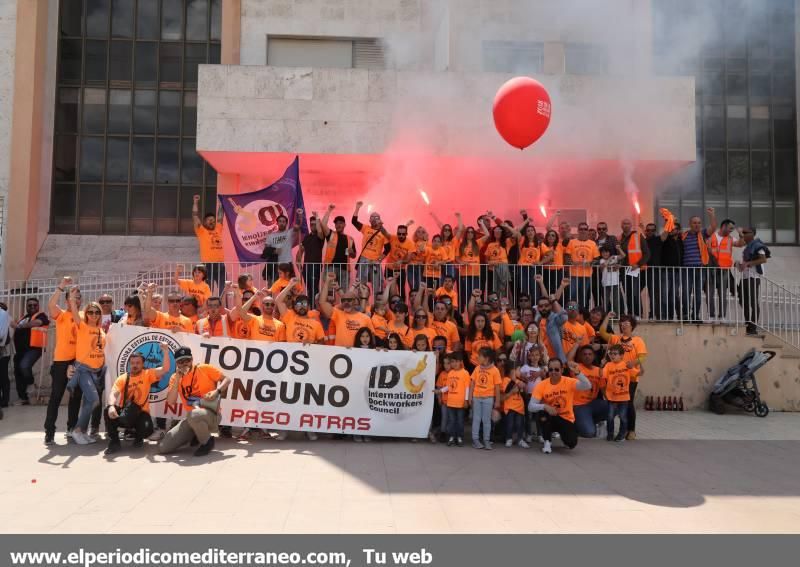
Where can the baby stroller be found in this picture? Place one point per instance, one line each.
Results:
(738, 387)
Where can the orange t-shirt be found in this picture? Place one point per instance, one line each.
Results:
(529, 255)
(399, 252)
(201, 291)
(89, 345)
(405, 334)
(435, 255)
(174, 324)
(559, 396)
(372, 247)
(380, 324)
(66, 337)
(441, 382)
(470, 259)
(551, 353)
(427, 331)
(634, 346)
(448, 330)
(513, 402)
(302, 329)
(260, 328)
(348, 324)
(496, 254)
(457, 388)
(582, 251)
(452, 294)
(558, 256)
(196, 383)
(210, 241)
(281, 284)
(496, 318)
(594, 374)
(484, 381)
(617, 378)
(138, 388)
(472, 347)
(220, 328)
(575, 333)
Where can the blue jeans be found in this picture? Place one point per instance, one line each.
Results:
(90, 381)
(514, 423)
(579, 289)
(370, 271)
(455, 422)
(692, 282)
(670, 291)
(482, 415)
(587, 415)
(617, 409)
(23, 370)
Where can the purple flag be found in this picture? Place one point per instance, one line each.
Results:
(252, 216)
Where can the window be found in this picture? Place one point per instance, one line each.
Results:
(513, 56)
(126, 115)
(585, 59)
(746, 111)
(362, 53)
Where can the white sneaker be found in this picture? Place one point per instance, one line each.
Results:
(556, 435)
(509, 442)
(528, 438)
(157, 435)
(541, 439)
(547, 449)
(282, 435)
(82, 439)
(522, 443)
(312, 436)
(68, 434)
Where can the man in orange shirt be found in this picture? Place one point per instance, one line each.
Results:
(263, 327)
(443, 327)
(400, 248)
(574, 333)
(347, 319)
(375, 245)
(216, 323)
(196, 384)
(590, 408)
(209, 237)
(172, 319)
(580, 253)
(133, 386)
(300, 327)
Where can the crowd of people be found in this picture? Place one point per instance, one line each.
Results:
(520, 322)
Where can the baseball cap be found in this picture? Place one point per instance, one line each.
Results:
(183, 353)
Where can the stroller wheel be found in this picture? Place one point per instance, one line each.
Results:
(716, 405)
(761, 410)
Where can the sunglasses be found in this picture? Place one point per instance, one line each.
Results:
(105, 302)
(602, 228)
(93, 312)
(554, 369)
(571, 307)
(301, 303)
(420, 316)
(402, 234)
(348, 299)
(269, 304)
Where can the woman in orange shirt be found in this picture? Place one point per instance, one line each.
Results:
(497, 246)
(468, 257)
(529, 257)
(417, 257)
(89, 365)
(480, 334)
(436, 257)
(552, 258)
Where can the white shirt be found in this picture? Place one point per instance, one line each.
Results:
(282, 242)
(752, 272)
(610, 271)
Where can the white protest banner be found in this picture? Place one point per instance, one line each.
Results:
(291, 386)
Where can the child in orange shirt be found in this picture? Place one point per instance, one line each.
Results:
(511, 389)
(484, 396)
(457, 390)
(617, 376)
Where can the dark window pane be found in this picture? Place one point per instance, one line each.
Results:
(172, 19)
(210, 199)
(144, 112)
(97, 18)
(169, 61)
(91, 159)
(166, 210)
(121, 63)
(89, 207)
(122, 18)
(115, 209)
(214, 55)
(146, 64)
(191, 163)
(141, 210)
(186, 225)
(71, 16)
(785, 175)
(167, 171)
(761, 178)
(169, 117)
(119, 112)
(785, 66)
(95, 62)
(69, 68)
(738, 175)
(713, 126)
(759, 127)
(713, 84)
(117, 160)
(63, 204)
(786, 222)
(197, 19)
(211, 177)
(760, 85)
(143, 160)
(189, 114)
(783, 88)
(64, 158)
(195, 55)
(147, 19)
(783, 123)
(67, 110)
(94, 111)
(736, 86)
(761, 217)
(737, 126)
(216, 19)
(715, 171)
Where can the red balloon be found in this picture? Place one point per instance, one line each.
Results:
(521, 111)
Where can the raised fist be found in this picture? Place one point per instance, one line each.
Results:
(196, 199)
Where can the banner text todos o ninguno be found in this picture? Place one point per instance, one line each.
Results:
(291, 386)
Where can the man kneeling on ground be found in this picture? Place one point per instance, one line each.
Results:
(199, 385)
(128, 402)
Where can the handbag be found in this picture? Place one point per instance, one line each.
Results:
(130, 410)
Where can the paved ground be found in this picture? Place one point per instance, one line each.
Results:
(688, 472)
